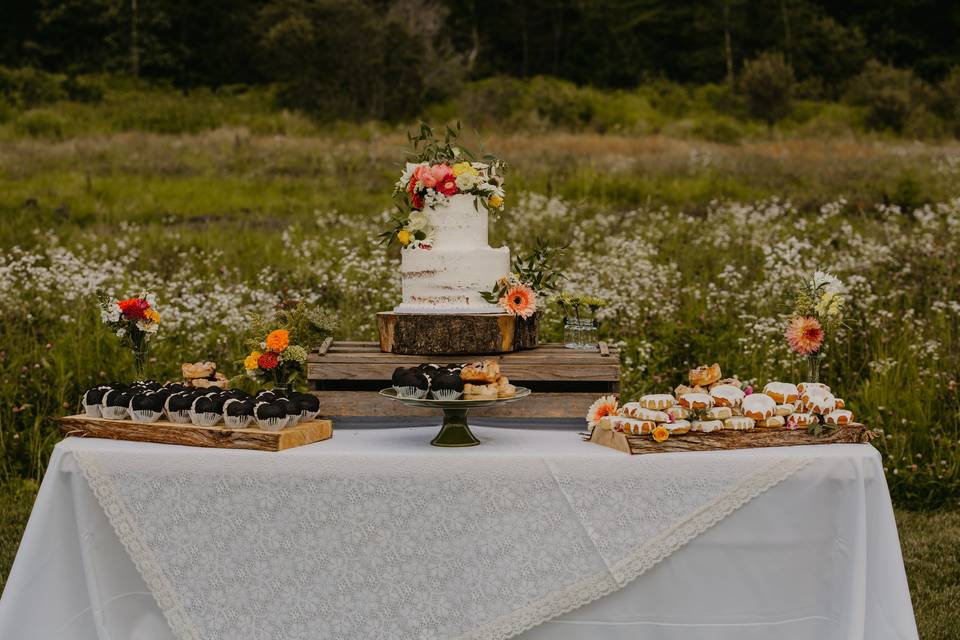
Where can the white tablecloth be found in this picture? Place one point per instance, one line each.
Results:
(814, 556)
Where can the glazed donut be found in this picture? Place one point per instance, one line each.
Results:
(480, 391)
(677, 427)
(696, 401)
(759, 406)
(634, 410)
(678, 413)
(803, 387)
(772, 422)
(706, 426)
(785, 410)
(632, 426)
(782, 392)
(718, 413)
(657, 401)
(805, 419)
(739, 423)
(727, 395)
(839, 416)
(819, 402)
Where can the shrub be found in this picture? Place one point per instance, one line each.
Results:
(721, 129)
(767, 84)
(29, 87)
(888, 94)
(41, 123)
(948, 103)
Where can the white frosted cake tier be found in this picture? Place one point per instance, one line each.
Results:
(449, 277)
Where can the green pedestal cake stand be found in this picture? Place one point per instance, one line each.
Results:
(455, 431)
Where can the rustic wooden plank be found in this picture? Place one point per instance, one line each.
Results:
(604, 349)
(195, 436)
(372, 350)
(532, 357)
(383, 371)
(729, 439)
(325, 345)
(412, 333)
(538, 405)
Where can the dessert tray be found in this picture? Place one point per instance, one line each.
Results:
(219, 436)
(455, 431)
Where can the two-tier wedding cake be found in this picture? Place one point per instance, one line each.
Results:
(447, 275)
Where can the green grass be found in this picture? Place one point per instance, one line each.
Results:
(930, 542)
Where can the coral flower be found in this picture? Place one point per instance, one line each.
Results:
(660, 434)
(520, 300)
(268, 361)
(134, 308)
(805, 335)
(601, 408)
(448, 187)
(278, 340)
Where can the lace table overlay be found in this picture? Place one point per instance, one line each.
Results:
(355, 542)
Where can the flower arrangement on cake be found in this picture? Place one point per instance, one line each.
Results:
(277, 352)
(133, 320)
(436, 172)
(532, 275)
(817, 308)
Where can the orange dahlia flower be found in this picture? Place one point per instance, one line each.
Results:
(805, 335)
(278, 340)
(520, 300)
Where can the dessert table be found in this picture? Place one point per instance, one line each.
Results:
(534, 534)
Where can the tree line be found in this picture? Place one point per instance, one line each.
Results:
(387, 58)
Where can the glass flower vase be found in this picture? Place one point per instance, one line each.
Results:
(813, 367)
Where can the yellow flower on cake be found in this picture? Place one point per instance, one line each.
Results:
(660, 433)
(278, 340)
(495, 201)
(405, 237)
(250, 362)
(464, 167)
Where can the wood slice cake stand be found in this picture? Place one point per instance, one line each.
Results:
(455, 431)
(443, 333)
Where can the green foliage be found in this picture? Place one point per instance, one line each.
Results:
(890, 95)
(767, 84)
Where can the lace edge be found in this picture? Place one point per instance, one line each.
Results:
(137, 548)
(646, 557)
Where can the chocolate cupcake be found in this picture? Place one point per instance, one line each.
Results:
(92, 400)
(177, 406)
(271, 416)
(206, 411)
(115, 404)
(237, 413)
(265, 396)
(412, 383)
(146, 407)
(308, 404)
(447, 385)
(293, 412)
(174, 387)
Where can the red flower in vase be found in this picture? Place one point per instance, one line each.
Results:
(134, 308)
(268, 361)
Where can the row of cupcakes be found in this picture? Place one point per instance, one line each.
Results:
(149, 401)
(442, 382)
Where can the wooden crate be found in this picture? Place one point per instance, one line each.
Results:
(728, 439)
(217, 436)
(347, 376)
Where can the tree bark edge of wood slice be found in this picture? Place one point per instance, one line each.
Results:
(456, 334)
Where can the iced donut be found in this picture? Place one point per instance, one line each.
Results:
(782, 392)
(678, 427)
(657, 401)
(803, 387)
(759, 406)
(839, 416)
(840, 403)
(785, 409)
(739, 423)
(632, 426)
(634, 410)
(696, 401)
(805, 419)
(718, 413)
(773, 422)
(820, 402)
(678, 413)
(727, 395)
(706, 426)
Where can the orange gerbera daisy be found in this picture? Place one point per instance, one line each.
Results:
(601, 408)
(520, 300)
(805, 335)
(278, 340)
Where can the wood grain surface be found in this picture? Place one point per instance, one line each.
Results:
(191, 435)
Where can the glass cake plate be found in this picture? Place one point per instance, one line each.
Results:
(455, 431)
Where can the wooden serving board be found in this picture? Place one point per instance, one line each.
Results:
(347, 377)
(728, 439)
(217, 436)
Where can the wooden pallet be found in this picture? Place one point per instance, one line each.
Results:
(347, 376)
(218, 436)
(728, 439)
